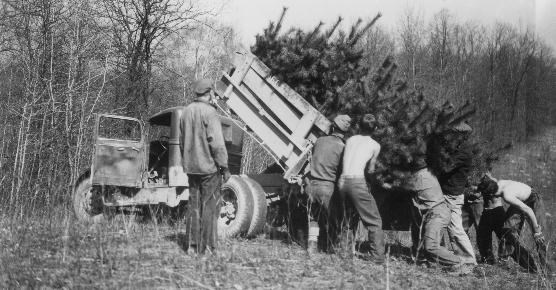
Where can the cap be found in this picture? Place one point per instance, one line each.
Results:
(202, 86)
(462, 127)
(342, 122)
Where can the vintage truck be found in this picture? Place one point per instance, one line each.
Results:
(134, 164)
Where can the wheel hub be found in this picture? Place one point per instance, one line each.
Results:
(228, 211)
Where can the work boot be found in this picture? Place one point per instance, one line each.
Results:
(469, 260)
(312, 247)
(312, 242)
(192, 251)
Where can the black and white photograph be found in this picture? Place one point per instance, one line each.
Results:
(277, 144)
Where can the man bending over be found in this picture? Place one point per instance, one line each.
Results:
(525, 203)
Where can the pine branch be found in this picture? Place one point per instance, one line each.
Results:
(334, 27)
(312, 35)
(365, 29)
(279, 23)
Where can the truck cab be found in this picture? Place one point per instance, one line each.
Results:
(137, 164)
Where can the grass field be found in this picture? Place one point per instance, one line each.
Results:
(126, 252)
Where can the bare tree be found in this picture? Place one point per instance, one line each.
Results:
(139, 27)
(411, 33)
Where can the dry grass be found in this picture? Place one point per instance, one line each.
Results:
(126, 252)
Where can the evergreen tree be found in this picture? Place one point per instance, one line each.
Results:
(327, 68)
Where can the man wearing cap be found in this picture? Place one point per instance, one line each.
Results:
(205, 161)
(325, 166)
(360, 156)
(454, 183)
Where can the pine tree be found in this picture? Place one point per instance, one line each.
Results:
(326, 67)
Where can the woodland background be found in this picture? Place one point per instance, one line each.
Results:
(63, 61)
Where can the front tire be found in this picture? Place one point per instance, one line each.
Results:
(87, 200)
(236, 208)
(258, 220)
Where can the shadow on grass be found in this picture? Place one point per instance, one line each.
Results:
(180, 239)
(395, 250)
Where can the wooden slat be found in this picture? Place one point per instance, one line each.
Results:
(290, 95)
(273, 137)
(287, 114)
(263, 114)
(305, 125)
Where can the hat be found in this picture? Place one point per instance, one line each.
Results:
(342, 122)
(202, 86)
(462, 127)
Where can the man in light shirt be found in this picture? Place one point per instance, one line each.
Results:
(360, 155)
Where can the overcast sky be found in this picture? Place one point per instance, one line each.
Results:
(249, 17)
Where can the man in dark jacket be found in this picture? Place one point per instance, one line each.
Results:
(325, 164)
(454, 184)
(205, 161)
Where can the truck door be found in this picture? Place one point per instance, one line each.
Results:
(119, 151)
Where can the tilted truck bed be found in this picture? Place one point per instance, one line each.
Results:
(287, 126)
(283, 122)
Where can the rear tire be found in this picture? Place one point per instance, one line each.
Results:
(258, 220)
(236, 208)
(87, 200)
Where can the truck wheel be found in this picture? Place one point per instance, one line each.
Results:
(236, 208)
(87, 200)
(258, 220)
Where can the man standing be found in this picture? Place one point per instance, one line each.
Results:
(361, 151)
(205, 161)
(525, 204)
(325, 163)
(454, 184)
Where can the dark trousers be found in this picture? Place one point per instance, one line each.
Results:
(507, 226)
(324, 209)
(426, 234)
(471, 215)
(202, 213)
(357, 191)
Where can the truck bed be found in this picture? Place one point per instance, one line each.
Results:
(282, 121)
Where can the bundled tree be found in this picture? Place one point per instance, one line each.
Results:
(329, 70)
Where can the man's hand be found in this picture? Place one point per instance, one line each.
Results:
(539, 237)
(225, 173)
(296, 179)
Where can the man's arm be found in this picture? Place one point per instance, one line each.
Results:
(372, 162)
(215, 140)
(511, 199)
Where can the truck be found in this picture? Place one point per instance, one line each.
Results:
(135, 164)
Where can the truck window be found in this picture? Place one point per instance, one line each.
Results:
(119, 129)
(157, 132)
(227, 132)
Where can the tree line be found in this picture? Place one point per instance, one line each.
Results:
(63, 61)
